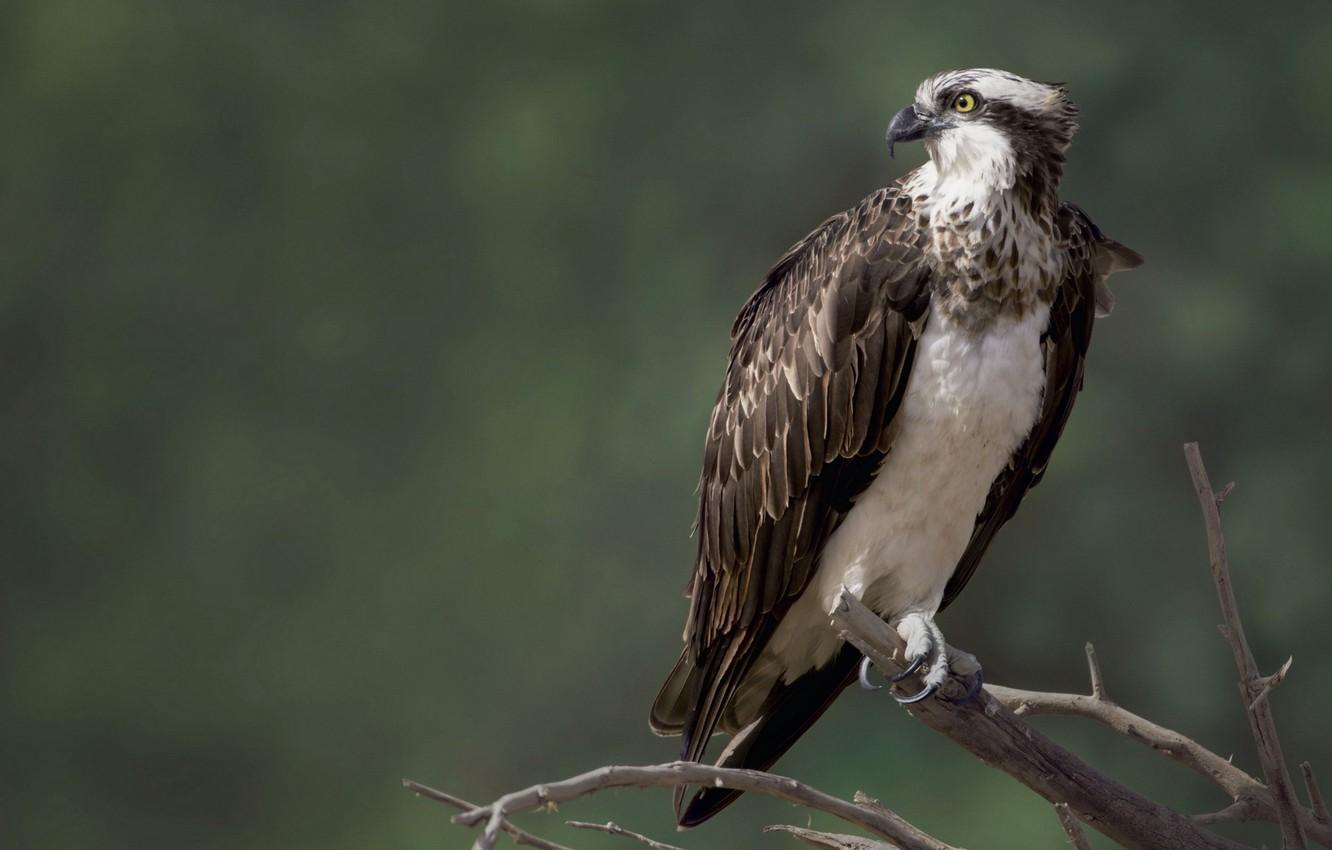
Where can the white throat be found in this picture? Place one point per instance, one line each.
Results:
(973, 159)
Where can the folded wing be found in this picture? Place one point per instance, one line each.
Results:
(817, 369)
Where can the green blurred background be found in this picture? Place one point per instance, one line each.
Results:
(357, 359)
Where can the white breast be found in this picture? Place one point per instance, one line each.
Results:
(971, 400)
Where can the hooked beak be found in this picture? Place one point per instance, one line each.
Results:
(909, 126)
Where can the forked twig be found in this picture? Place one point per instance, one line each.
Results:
(520, 836)
(1253, 686)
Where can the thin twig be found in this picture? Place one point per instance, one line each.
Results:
(612, 828)
(830, 840)
(1069, 821)
(879, 821)
(519, 836)
(1266, 684)
(1259, 711)
(1315, 793)
(1094, 671)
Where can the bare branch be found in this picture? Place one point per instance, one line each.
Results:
(830, 840)
(1256, 800)
(519, 836)
(865, 801)
(879, 821)
(1001, 739)
(1251, 684)
(1069, 822)
(612, 828)
(1234, 781)
(1094, 671)
(1240, 811)
(1315, 793)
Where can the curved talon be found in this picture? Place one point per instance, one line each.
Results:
(862, 676)
(915, 698)
(911, 670)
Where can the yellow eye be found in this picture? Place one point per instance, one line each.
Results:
(964, 102)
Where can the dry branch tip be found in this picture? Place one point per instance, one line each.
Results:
(1072, 828)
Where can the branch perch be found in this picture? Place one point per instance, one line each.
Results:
(1000, 738)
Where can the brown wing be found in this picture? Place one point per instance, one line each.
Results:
(817, 369)
(1082, 295)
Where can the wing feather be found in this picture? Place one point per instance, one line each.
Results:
(814, 377)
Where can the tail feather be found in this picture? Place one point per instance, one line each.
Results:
(671, 706)
(788, 711)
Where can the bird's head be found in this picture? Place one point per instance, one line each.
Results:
(989, 126)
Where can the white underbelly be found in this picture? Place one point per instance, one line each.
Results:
(970, 402)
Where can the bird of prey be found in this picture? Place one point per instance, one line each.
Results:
(894, 387)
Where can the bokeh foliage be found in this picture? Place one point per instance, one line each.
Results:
(357, 356)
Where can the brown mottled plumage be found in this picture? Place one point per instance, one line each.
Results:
(818, 368)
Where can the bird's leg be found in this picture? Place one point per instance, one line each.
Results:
(925, 651)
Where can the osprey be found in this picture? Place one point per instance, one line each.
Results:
(894, 387)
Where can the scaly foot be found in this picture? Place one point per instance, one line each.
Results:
(926, 651)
